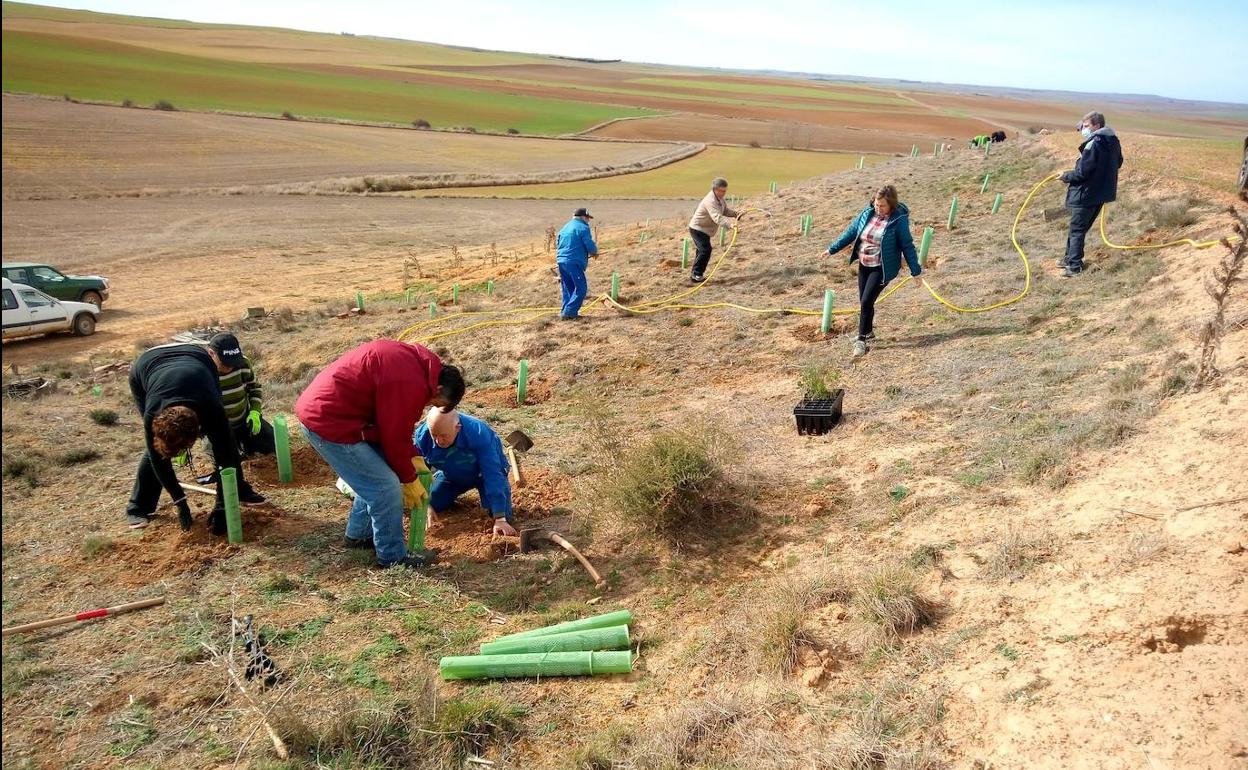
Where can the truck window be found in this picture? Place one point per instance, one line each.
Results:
(34, 298)
(10, 301)
(47, 274)
(18, 275)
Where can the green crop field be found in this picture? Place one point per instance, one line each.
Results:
(102, 70)
(843, 94)
(749, 172)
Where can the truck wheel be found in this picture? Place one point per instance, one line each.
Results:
(84, 325)
(93, 298)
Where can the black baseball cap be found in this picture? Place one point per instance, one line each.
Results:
(583, 212)
(228, 350)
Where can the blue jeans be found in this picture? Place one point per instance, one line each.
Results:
(378, 509)
(575, 286)
(445, 492)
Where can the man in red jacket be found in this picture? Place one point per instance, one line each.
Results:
(359, 414)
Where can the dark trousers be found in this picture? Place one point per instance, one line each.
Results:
(262, 443)
(702, 242)
(870, 284)
(147, 488)
(1081, 219)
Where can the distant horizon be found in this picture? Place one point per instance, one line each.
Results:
(1136, 44)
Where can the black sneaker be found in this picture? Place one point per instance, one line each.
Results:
(208, 478)
(697, 278)
(249, 496)
(418, 560)
(1060, 262)
(870, 336)
(361, 543)
(1071, 272)
(138, 520)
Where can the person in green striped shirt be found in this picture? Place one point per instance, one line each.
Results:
(243, 397)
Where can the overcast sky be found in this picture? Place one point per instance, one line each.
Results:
(1189, 50)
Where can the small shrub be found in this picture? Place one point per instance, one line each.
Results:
(513, 131)
(278, 583)
(1017, 552)
(685, 321)
(1173, 213)
(21, 466)
(78, 456)
(1127, 380)
(421, 123)
(674, 480)
(898, 493)
(818, 381)
(466, 726)
(127, 103)
(133, 730)
(755, 144)
(288, 115)
(164, 106)
(889, 599)
(94, 545)
(892, 391)
(103, 417)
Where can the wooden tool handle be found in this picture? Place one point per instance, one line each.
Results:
(88, 615)
(556, 538)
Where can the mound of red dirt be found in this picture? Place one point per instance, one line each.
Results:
(307, 467)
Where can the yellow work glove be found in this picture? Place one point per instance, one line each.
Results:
(418, 463)
(414, 494)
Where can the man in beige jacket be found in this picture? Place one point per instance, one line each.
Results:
(710, 215)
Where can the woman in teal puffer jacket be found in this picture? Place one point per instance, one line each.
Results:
(881, 237)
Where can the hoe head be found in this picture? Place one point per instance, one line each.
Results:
(529, 538)
(519, 441)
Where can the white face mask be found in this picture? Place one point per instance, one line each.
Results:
(1086, 132)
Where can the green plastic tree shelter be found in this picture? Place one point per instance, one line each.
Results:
(925, 244)
(984, 187)
(233, 517)
(522, 381)
(489, 287)
(359, 301)
(455, 294)
(684, 251)
(281, 438)
(617, 618)
(418, 517)
(594, 639)
(829, 297)
(953, 212)
(615, 287)
(996, 204)
(536, 664)
(433, 310)
(861, 159)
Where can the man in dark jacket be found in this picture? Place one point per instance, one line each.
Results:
(1093, 183)
(359, 414)
(166, 381)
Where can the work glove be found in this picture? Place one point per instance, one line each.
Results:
(253, 421)
(418, 463)
(184, 515)
(182, 460)
(414, 494)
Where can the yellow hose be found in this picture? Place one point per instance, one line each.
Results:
(671, 303)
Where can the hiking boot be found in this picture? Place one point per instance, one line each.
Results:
(138, 520)
(1071, 271)
(860, 348)
(207, 478)
(697, 277)
(249, 496)
(1060, 262)
(360, 543)
(569, 318)
(418, 560)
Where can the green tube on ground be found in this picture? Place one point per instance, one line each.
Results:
(590, 640)
(615, 287)
(233, 518)
(522, 381)
(914, 150)
(417, 519)
(281, 438)
(983, 188)
(935, 149)
(953, 212)
(684, 251)
(617, 618)
(455, 294)
(829, 297)
(536, 664)
(409, 295)
(359, 301)
(722, 235)
(433, 310)
(996, 204)
(925, 244)
(489, 287)
(861, 159)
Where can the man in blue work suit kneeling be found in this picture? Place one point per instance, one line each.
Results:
(466, 454)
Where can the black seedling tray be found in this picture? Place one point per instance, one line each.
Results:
(817, 416)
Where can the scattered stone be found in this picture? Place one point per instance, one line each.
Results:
(1233, 544)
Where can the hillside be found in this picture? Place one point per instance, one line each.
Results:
(1023, 547)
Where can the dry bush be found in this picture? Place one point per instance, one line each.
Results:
(421, 123)
(1017, 551)
(164, 106)
(888, 599)
(1172, 212)
(678, 479)
(886, 732)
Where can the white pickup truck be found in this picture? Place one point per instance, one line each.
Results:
(28, 311)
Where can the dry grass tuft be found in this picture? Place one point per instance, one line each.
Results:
(888, 598)
(1018, 551)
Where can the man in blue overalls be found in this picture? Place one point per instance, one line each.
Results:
(573, 248)
(466, 454)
